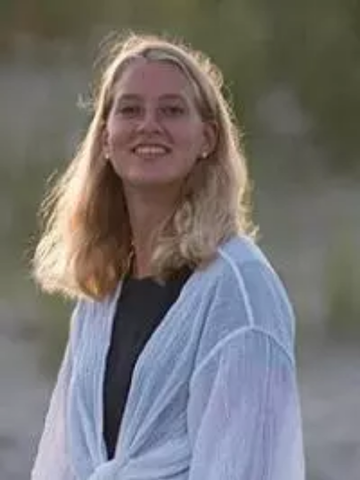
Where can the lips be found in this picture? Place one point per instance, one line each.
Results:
(150, 150)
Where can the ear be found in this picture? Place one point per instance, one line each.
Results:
(211, 132)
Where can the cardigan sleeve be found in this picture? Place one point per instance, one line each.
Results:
(52, 456)
(243, 412)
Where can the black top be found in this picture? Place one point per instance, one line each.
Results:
(141, 306)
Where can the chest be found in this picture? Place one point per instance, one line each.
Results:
(159, 384)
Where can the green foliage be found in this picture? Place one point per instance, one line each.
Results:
(312, 46)
(49, 18)
(317, 49)
(342, 280)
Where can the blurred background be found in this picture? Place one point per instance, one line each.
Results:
(293, 70)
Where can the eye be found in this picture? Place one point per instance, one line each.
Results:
(129, 111)
(172, 110)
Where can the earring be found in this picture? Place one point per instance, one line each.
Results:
(204, 155)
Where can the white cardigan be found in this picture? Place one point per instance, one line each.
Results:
(213, 395)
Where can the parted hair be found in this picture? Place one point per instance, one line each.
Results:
(86, 237)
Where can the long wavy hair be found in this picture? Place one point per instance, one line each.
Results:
(86, 242)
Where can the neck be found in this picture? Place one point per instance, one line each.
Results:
(147, 212)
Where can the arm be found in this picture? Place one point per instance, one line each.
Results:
(52, 456)
(243, 412)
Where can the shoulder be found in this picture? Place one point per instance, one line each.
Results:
(246, 295)
(240, 265)
(244, 265)
(239, 251)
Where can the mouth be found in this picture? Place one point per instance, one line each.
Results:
(150, 150)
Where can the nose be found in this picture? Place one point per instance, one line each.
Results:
(150, 122)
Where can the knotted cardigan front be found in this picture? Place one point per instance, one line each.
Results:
(213, 395)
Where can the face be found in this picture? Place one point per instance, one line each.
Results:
(154, 133)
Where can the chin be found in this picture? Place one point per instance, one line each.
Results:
(154, 183)
(151, 180)
(147, 183)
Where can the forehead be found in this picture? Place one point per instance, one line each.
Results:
(153, 78)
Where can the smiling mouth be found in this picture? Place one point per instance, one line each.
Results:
(150, 150)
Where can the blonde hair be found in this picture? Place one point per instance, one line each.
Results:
(85, 246)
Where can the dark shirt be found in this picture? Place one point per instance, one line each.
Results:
(142, 305)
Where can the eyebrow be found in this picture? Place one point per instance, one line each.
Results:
(135, 97)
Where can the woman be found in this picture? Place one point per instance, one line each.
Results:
(180, 361)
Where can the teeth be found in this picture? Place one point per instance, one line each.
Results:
(150, 150)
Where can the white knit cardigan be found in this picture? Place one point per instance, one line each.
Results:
(213, 395)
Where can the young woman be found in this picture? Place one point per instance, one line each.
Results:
(180, 360)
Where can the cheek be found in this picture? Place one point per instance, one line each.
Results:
(189, 137)
(118, 133)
